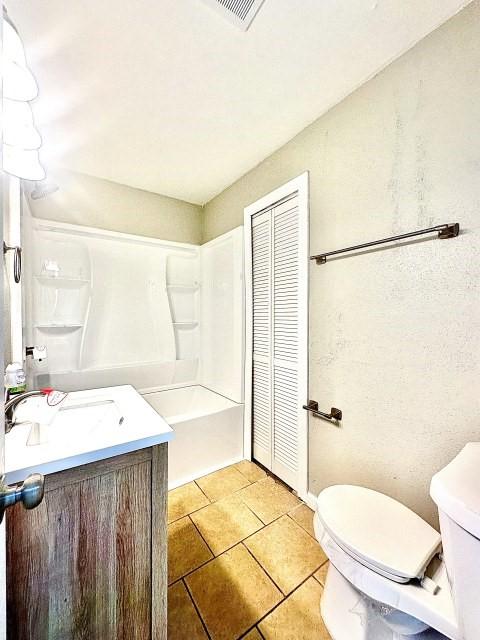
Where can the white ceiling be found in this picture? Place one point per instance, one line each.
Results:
(167, 96)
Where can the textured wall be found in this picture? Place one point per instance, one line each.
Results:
(93, 202)
(394, 334)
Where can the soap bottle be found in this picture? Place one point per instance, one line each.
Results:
(15, 380)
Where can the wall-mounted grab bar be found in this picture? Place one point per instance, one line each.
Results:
(444, 231)
(335, 415)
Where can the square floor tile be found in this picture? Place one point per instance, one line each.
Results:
(269, 499)
(225, 523)
(303, 516)
(222, 483)
(298, 617)
(321, 574)
(186, 549)
(286, 552)
(184, 500)
(183, 620)
(251, 470)
(232, 593)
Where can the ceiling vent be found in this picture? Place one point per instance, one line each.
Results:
(239, 12)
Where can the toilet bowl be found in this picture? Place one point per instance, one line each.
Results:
(359, 603)
(389, 578)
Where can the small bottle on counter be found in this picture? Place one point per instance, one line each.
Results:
(15, 380)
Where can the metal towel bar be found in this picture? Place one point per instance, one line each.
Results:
(444, 231)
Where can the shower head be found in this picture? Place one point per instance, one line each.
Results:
(43, 189)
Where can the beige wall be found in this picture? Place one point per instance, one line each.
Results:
(93, 202)
(394, 334)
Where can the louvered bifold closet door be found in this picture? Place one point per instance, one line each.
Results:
(285, 327)
(262, 338)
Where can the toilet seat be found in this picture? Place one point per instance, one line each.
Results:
(436, 610)
(378, 532)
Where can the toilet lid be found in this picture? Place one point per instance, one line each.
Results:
(378, 531)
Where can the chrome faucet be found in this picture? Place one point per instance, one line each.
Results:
(13, 402)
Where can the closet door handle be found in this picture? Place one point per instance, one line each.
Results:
(29, 493)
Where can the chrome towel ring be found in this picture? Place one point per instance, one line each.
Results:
(17, 260)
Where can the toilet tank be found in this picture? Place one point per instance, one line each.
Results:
(456, 491)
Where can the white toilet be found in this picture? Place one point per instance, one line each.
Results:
(388, 577)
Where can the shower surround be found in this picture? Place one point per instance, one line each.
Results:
(114, 308)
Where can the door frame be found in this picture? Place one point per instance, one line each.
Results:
(299, 185)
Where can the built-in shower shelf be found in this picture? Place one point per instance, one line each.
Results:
(183, 287)
(53, 326)
(186, 325)
(61, 282)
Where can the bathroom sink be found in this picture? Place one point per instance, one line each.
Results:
(71, 420)
(83, 427)
(79, 421)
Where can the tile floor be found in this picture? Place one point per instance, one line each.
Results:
(243, 561)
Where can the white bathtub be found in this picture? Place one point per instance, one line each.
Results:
(208, 431)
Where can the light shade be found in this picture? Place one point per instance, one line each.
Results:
(23, 163)
(18, 125)
(21, 140)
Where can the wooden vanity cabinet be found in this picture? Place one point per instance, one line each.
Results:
(90, 562)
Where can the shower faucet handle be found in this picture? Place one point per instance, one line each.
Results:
(38, 352)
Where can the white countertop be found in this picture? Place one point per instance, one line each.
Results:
(139, 426)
